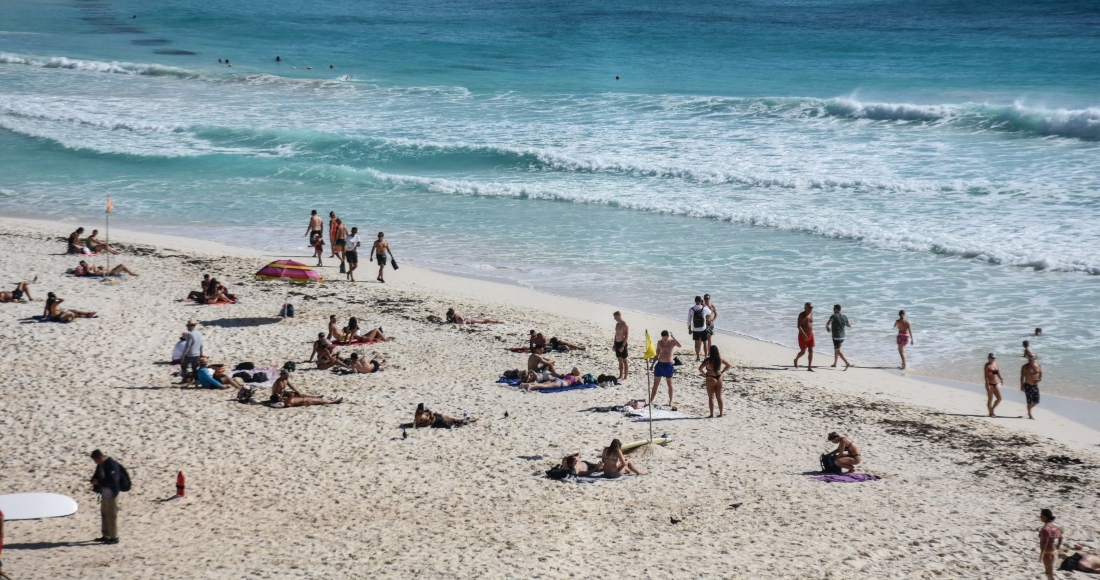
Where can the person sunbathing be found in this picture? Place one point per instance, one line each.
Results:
(197, 295)
(216, 377)
(351, 332)
(569, 380)
(456, 318)
(327, 359)
(75, 245)
(92, 243)
(361, 365)
(54, 313)
(1078, 562)
(847, 452)
(578, 466)
(319, 345)
(84, 269)
(21, 289)
(614, 463)
(284, 392)
(425, 417)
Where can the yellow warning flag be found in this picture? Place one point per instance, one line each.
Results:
(650, 350)
(110, 206)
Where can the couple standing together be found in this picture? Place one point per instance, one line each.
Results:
(701, 319)
(346, 245)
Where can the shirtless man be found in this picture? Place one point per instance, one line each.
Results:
(21, 289)
(710, 320)
(806, 336)
(538, 363)
(381, 249)
(315, 225)
(54, 313)
(993, 382)
(284, 392)
(76, 246)
(341, 242)
(334, 331)
(1030, 375)
(622, 335)
(197, 295)
(664, 367)
(84, 269)
(321, 347)
(92, 243)
(905, 335)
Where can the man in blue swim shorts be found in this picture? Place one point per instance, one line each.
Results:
(664, 366)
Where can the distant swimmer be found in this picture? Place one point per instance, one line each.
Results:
(806, 336)
(616, 77)
(1038, 332)
(1028, 353)
(905, 335)
(993, 382)
(309, 68)
(219, 60)
(330, 66)
(277, 59)
(1030, 375)
(836, 325)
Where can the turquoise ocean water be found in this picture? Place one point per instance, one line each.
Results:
(940, 157)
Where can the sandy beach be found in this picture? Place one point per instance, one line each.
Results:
(338, 491)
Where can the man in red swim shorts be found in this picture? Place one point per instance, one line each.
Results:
(806, 336)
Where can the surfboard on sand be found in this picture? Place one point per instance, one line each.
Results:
(36, 506)
(656, 441)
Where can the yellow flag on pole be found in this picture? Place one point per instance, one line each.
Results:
(650, 350)
(110, 206)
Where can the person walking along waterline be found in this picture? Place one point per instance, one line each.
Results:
(1030, 375)
(381, 250)
(905, 335)
(836, 324)
(806, 336)
(622, 335)
(993, 383)
(341, 244)
(710, 321)
(664, 367)
(697, 324)
(332, 234)
(107, 482)
(351, 252)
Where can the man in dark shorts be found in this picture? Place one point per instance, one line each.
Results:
(836, 325)
(1030, 375)
(622, 334)
(351, 252)
(664, 367)
(697, 324)
(381, 250)
(315, 226)
(806, 336)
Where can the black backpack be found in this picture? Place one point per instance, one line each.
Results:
(828, 464)
(697, 319)
(244, 376)
(290, 366)
(260, 377)
(559, 472)
(245, 366)
(123, 478)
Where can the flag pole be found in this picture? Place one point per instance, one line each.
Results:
(648, 368)
(108, 228)
(649, 356)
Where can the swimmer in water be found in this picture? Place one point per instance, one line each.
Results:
(277, 59)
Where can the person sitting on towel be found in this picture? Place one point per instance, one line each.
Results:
(215, 292)
(456, 318)
(197, 295)
(361, 365)
(84, 269)
(76, 246)
(614, 463)
(327, 359)
(92, 243)
(560, 382)
(425, 417)
(351, 333)
(54, 313)
(539, 340)
(320, 345)
(847, 452)
(579, 467)
(212, 378)
(284, 392)
(536, 362)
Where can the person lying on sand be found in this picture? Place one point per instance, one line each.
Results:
(847, 452)
(197, 295)
(578, 466)
(539, 340)
(284, 392)
(614, 463)
(92, 243)
(76, 246)
(216, 377)
(351, 332)
(327, 359)
(573, 378)
(84, 269)
(54, 313)
(361, 365)
(538, 363)
(425, 417)
(1079, 562)
(456, 318)
(21, 289)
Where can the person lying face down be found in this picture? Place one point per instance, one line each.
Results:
(425, 417)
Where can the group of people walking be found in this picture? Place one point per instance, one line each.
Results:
(344, 245)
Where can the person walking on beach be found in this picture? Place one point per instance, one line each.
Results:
(381, 250)
(351, 252)
(664, 367)
(192, 352)
(993, 382)
(1030, 375)
(710, 321)
(836, 324)
(1050, 541)
(315, 225)
(622, 334)
(806, 336)
(697, 324)
(341, 243)
(905, 335)
(107, 482)
(332, 233)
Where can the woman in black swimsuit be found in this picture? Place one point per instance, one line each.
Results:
(847, 453)
(713, 367)
(578, 466)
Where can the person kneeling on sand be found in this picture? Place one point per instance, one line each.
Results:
(614, 463)
(847, 452)
(580, 467)
(21, 289)
(456, 318)
(284, 392)
(425, 417)
(573, 378)
(84, 269)
(361, 365)
(54, 313)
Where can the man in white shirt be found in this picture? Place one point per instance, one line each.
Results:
(697, 324)
(351, 253)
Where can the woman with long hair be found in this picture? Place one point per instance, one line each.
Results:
(713, 367)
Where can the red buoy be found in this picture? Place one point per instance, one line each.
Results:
(181, 482)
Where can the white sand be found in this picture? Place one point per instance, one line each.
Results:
(336, 492)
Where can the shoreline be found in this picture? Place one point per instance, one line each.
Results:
(1075, 422)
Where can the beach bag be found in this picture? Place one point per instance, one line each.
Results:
(393, 262)
(245, 366)
(697, 319)
(290, 366)
(589, 379)
(558, 472)
(342, 268)
(244, 395)
(124, 483)
(287, 311)
(260, 377)
(828, 463)
(246, 377)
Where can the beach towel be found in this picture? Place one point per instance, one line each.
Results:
(528, 349)
(354, 342)
(659, 414)
(218, 303)
(514, 383)
(590, 479)
(847, 477)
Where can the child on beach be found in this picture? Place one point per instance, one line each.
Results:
(318, 244)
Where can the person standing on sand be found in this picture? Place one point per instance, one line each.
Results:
(332, 233)
(107, 482)
(698, 315)
(836, 324)
(664, 367)
(1050, 541)
(381, 250)
(341, 243)
(993, 382)
(315, 225)
(905, 335)
(710, 321)
(351, 252)
(1030, 375)
(622, 335)
(713, 367)
(806, 336)
(192, 352)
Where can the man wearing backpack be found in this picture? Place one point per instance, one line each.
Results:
(109, 480)
(697, 324)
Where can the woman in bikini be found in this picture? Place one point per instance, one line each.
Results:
(847, 452)
(614, 463)
(456, 318)
(905, 335)
(93, 244)
(573, 378)
(713, 367)
(351, 333)
(993, 381)
(1050, 540)
(86, 270)
(578, 466)
(360, 365)
(21, 289)
(54, 313)
(425, 417)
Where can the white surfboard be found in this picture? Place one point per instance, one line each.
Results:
(35, 506)
(635, 444)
